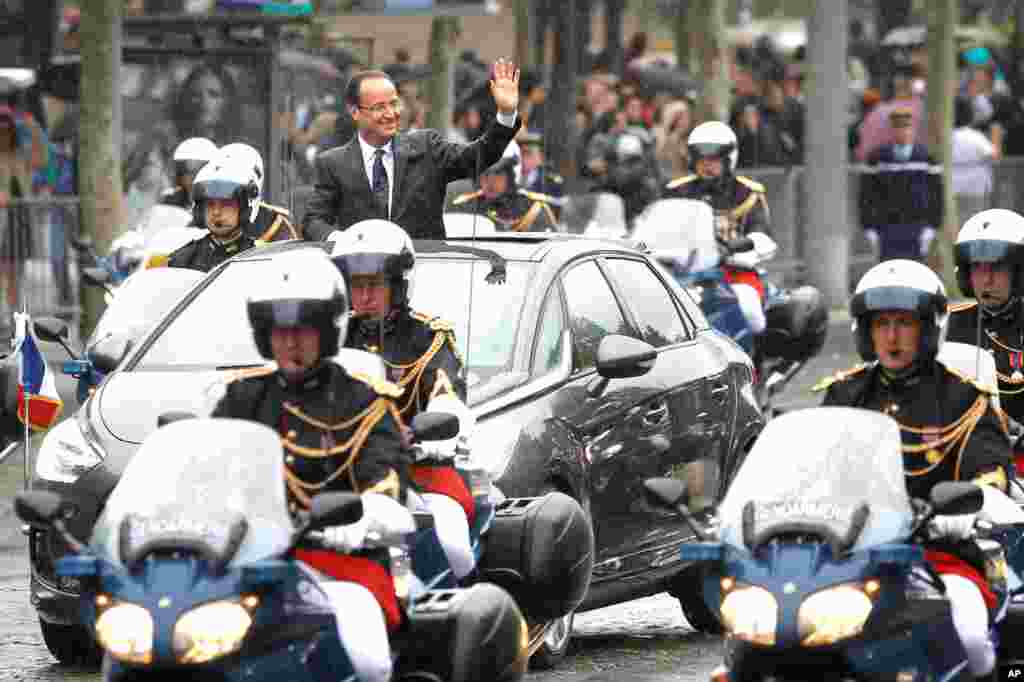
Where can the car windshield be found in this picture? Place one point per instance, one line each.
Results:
(221, 484)
(141, 300)
(681, 234)
(444, 288)
(812, 469)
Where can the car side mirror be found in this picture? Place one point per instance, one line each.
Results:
(173, 416)
(434, 426)
(665, 492)
(39, 508)
(957, 497)
(51, 329)
(622, 357)
(334, 509)
(107, 353)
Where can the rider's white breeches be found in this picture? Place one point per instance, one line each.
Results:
(970, 617)
(362, 629)
(751, 307)
(452, 528)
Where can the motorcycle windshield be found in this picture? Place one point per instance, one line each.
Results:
(810, 470)
(681, 233)
(216, 484)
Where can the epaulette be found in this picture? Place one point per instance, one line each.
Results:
(958, 307)
(379, 386)
(752, 184)
(468, 196)
(679, 182)
(435, 323)
(838, 376)
(276, 209)
(987, 390)
(248, 373)
(536, 196)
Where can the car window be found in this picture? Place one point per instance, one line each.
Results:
(548, 352)
(652, 305)
(593, 312)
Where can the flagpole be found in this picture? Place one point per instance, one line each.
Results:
(26, 459)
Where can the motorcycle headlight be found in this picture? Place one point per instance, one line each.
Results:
(749, 612)
(213, 630)
(124, 630)
(65, 454)
(836, 613)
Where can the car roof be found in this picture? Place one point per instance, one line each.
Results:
(527, 246)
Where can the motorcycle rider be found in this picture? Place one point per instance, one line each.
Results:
(267, 223)
(989, 255)
(189, 158)
(629, 170)
(339, 432)
(225, 193)
(949, 427)
(377, 258)
(510, 208)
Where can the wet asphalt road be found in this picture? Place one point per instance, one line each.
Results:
(645, 640)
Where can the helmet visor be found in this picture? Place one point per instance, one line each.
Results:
(706, 150)
(909, 299)
(216, 189)
(366, 264)
(987, 251)
(288, 313)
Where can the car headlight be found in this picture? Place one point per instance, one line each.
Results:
(836, 613)
(213, 630)
(749, 612)
(65, 455)
(124, 630)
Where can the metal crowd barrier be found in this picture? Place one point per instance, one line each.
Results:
(38, 267)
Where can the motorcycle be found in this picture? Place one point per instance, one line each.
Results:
(817, 570)
(681, 233)
(196, 579)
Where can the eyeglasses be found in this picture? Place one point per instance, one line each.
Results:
(382, 108)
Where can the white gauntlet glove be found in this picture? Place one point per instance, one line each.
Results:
(952, 527)
(346, 538)
(871, 234)
(925, 240)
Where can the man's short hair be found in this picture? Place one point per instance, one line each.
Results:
(355, 83)
(901, 117)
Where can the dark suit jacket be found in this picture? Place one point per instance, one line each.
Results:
(424, 165)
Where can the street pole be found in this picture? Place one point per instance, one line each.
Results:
(711, 38)
(560, 133)
(100, 186)
(942, 84)
(827, 243)
(444, 31)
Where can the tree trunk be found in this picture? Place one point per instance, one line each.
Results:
(613, 13)
(524, 31)
(827, 243)
(710, 33)
(560, 123)
(444, 30)
(100, 186)
(942, 83)
(583, 13)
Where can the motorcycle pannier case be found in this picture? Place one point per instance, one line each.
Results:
(540, 549)
(796, 326)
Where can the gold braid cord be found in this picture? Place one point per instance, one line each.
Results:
(366, 419)
(1002, 377)
(957, 433)
(412, 373)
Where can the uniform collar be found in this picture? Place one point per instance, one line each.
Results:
(313, 380)
(1008, 312)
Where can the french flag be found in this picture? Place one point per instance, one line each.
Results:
(39, 405)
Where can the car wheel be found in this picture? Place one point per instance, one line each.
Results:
(71, 645)
(686, 589)
(555, 644)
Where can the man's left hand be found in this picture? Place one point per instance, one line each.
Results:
(505, 86)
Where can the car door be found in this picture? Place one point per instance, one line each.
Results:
(624, 424)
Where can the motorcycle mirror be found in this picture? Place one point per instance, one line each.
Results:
(107, 353)
(334, 509)
(173, 416)
(97, 277)
(38, 508)
(957, 497)
(51, 329)
(740, 245)
(433, 426)
(665, 492)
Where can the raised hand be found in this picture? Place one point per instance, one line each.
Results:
(505, 86)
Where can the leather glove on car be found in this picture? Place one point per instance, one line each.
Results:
(334, 236)
(871, 234)
(952, 527)
(924, 241)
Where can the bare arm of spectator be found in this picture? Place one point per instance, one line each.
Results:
(39, 155)
(996, 135)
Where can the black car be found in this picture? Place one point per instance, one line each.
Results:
(589, 371)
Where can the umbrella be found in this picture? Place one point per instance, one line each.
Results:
(299, 60)
(657, 78)
(905, 36)
(913, 36)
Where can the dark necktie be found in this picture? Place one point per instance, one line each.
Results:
(380, 182)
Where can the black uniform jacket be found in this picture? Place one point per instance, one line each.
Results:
(204, 254)
(928, 408)
(339, 432)
(420, 355)
(1004, 336)
(739, 203)
(518, 211)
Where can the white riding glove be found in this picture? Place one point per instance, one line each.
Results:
(952, 527)
(871, 234)
(924, 241)
(334, 236)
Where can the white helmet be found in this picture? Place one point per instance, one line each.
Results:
(904, 285)
(716, 140)
(303, 289)
(248, 157)
(992, 236)
(377, 246)
(192, 154)
(225, 179)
